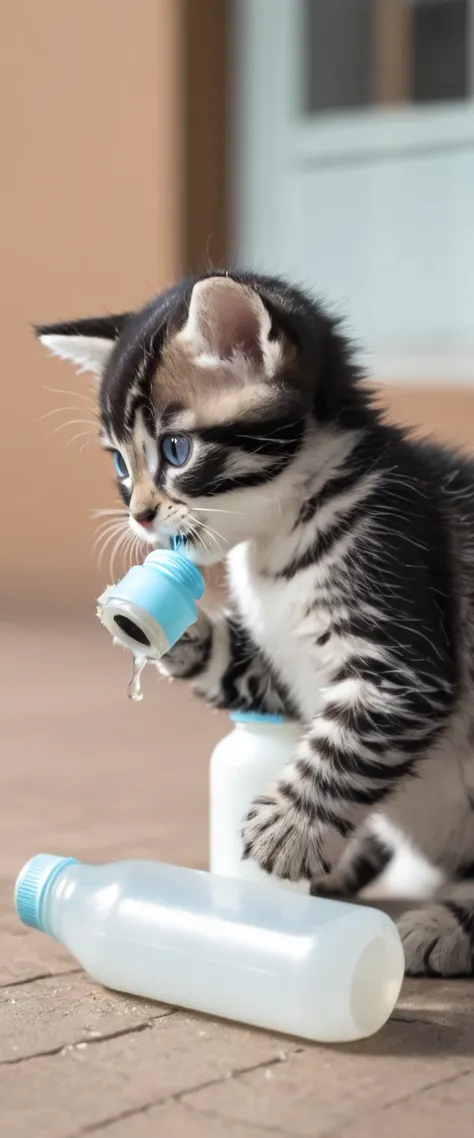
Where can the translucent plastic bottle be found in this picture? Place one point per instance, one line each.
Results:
(242, 766)
(319, 969)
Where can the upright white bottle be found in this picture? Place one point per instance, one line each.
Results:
(320, 969)
(243, 764)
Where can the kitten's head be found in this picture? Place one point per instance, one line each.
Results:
(206, 399)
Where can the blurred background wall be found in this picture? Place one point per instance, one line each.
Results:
(330, 139)
(90, 222)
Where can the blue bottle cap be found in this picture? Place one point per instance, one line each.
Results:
(255, 717)
(31, 885)
(154, 604)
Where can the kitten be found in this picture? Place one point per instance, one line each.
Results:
(237, 417)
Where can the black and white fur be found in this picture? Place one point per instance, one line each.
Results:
(350, 561)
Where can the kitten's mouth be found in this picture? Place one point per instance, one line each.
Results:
(154, 534)
(200, 548)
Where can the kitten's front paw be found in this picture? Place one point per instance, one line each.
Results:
(435, 943)
(280, 838)
(189, 655)
(330, 885)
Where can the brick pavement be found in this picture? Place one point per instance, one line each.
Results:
(84, 772)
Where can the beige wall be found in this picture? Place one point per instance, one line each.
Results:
(446, 412)
(95, 115)
(90, 221)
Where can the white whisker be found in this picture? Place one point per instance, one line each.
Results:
(115, 539)
(123, 512)
(213, 510)
(107, 528)
(107, 523)
(210, 529)
(81, 435)
(128, 546)
(86, 396)
(135, 552)
(214, 534)
(58, 410)
(107, 539)
(197, 537)
(267, 439)
(72, 423)
(132, 553)
(120, 546)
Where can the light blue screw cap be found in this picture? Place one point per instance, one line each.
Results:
(31, 885)
(256, 717)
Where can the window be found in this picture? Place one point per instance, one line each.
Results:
(362, 53)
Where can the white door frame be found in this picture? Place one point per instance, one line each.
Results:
(273, 139)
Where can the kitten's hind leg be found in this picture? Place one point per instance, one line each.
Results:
(438, 940)
(362, 863)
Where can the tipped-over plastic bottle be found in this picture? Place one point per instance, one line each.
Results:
(151, 607)
(323, 970)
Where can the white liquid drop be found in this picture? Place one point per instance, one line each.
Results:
(134, 690)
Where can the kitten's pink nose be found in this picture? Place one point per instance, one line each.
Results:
(146, 517)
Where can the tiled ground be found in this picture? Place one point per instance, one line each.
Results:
(84, 772)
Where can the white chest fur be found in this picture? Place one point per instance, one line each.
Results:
(273, 612)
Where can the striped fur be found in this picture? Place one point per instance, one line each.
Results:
(349, 551)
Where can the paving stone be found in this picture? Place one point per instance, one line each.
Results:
(433, 1113)
(437, 1001)
(24, 955)
(323, 1088)
(47, 1015)
(58, 1096)
(173, 1120)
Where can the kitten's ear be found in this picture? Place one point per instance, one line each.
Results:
(226, 317)
(87, 343)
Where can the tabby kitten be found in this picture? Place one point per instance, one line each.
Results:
(236, 417)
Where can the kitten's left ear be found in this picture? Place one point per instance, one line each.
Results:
(226, 317)
(87, 343)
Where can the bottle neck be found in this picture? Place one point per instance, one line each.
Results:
(179, 569)
(58, 897)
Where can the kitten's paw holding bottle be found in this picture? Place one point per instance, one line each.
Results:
(332, 885)
(282, 838)
(187, 657)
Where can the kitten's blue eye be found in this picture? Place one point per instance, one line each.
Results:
(120, 465)
(176, 449)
